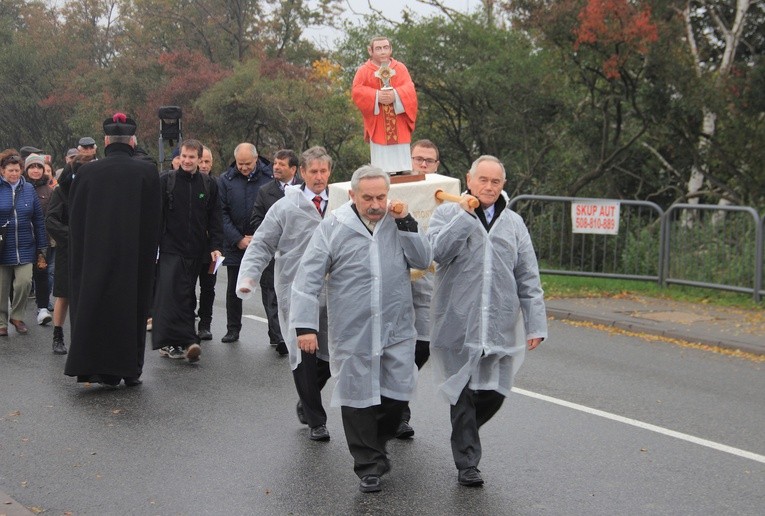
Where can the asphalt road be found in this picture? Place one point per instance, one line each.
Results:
(589, 431)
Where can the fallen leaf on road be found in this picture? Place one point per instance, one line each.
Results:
(15, 413)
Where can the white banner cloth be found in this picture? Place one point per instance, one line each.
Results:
(420, 196)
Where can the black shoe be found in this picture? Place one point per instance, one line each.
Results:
(230, 336)
(281, 348)
(404, 430)
(58, 345)
(319, 433)
(132, 381)
(204, 333)
(301, 413)
(470, 477)
(108, 380)
(370, 484)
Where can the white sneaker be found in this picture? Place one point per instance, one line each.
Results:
(43, 316)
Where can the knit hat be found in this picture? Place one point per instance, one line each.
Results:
(34, 158)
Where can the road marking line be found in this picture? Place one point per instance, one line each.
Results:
(646, 426)
(256, 318)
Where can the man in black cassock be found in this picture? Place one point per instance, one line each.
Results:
(114, 212)
(192, 233)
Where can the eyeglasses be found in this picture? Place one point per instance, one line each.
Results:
(419, 160)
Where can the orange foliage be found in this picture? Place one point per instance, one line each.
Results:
(618, 27)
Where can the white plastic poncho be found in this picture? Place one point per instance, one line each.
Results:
(284, 234)
(483, 281)
(369, 303)
(422, 290)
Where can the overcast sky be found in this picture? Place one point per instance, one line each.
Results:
(324, 37)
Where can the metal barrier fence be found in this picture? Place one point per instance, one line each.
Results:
(714, 247)
(710, 246)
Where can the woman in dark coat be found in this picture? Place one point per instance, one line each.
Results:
(34, 173)
(57, 224)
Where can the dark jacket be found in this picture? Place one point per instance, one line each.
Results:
(191, 219)
(266, 198)
(237, 198)
(24, 226)
(44, 190)
(57, 215)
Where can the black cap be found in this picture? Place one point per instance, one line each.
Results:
(119, 125)
(26, 150)
(86, 141)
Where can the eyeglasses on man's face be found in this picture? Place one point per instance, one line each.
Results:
(420, 160)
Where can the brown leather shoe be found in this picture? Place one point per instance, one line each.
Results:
(3, 332)
(20, 326)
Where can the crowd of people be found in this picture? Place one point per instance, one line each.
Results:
(360, 293)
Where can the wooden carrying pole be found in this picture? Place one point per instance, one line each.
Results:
(443, 196)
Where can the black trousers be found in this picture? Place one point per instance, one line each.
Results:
(233, 303)
(472, 410)
(174, 301)
(310, 378)
(367, 430)
(421, 355)
(206, 295)
(270, 304)
(42, 289)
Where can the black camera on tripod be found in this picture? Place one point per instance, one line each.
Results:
(169, 129)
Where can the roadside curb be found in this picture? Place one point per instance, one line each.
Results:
(10, 507)
(730, 344)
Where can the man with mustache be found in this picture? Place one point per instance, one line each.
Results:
(365, 249)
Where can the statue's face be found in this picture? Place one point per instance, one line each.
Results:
(380, 51)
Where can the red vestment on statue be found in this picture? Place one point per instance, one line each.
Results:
(385, 128)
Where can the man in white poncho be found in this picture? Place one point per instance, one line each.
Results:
(284, 234)
(487, 307)
(366, 248)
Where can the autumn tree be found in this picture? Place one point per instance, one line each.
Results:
(276, 105)
(30, 57)
(724, 39)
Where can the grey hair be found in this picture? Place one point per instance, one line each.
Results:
(130, 140)
(315, 154)
(247, 146)
(368, 172)
(487, 157)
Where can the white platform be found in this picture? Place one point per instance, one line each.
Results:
(419, 195)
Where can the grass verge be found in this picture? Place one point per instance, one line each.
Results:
(558, 286)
